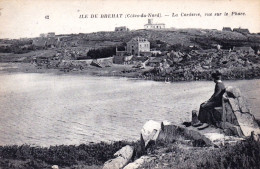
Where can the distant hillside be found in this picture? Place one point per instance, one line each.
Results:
(167, 39)
(200, 38)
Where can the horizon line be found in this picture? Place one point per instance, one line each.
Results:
(59, 34)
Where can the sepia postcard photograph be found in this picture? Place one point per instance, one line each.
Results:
(140, 84)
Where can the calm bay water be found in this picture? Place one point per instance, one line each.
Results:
(49, 109)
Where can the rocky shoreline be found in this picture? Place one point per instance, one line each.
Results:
(130, 72)
(232, 74)
(191, 55)
(175, 154)
(178, 153)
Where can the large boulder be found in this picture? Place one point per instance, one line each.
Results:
(247, 123)
(234, 104)
(243, 105)
(139, 162)
(233, 92)
(238, 114)
(151, 130)
(123, 156)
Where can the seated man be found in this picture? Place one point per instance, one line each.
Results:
(206, 108)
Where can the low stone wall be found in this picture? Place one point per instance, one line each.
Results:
(80, 64)
(87, 62)
(105, 60)
(77, 62)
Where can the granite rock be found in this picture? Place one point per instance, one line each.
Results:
(139, 162)
(233, 92)
(123, 156)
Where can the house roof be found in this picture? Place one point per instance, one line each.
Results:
(241, 30)
(227, 28)
(154, 24)
(120, 27)
(138, 39)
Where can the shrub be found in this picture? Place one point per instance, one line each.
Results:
(62, 155)
(102, 53)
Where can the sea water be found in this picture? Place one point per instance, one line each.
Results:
(50, 109)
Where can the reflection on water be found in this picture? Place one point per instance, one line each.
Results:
(47, 109)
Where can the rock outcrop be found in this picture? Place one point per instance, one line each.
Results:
(237, 117)
(234, 120)
(151, 130)
(139, 162)
(234, 116)
(123, 156)
(210, 136)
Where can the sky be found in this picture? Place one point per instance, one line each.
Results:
(27, 18)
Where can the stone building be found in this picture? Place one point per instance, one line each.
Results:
(227, 29)
(45, 42)
(42, 35)
(138, 46)
(121, 29)
(39, 42)
(135, 47)
(51, 34)
(122, 57)
(47, 35)
(151, 25)
(240, 30)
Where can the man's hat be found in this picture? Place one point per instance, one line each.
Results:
(216, 75)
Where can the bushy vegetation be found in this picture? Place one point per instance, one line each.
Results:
(63, 155)
(243, 155)
(16, 49)
(102, 52)
(16, 46)
(180, 47)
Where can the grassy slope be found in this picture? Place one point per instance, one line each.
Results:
(71, 156)
(243, 155)
(181, 155)
(201, 38)
(25, 57)
(198, 37)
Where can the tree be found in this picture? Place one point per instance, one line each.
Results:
(102, 52)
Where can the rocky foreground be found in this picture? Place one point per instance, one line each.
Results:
(181, 153)
(235, 143)
(230, 125)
